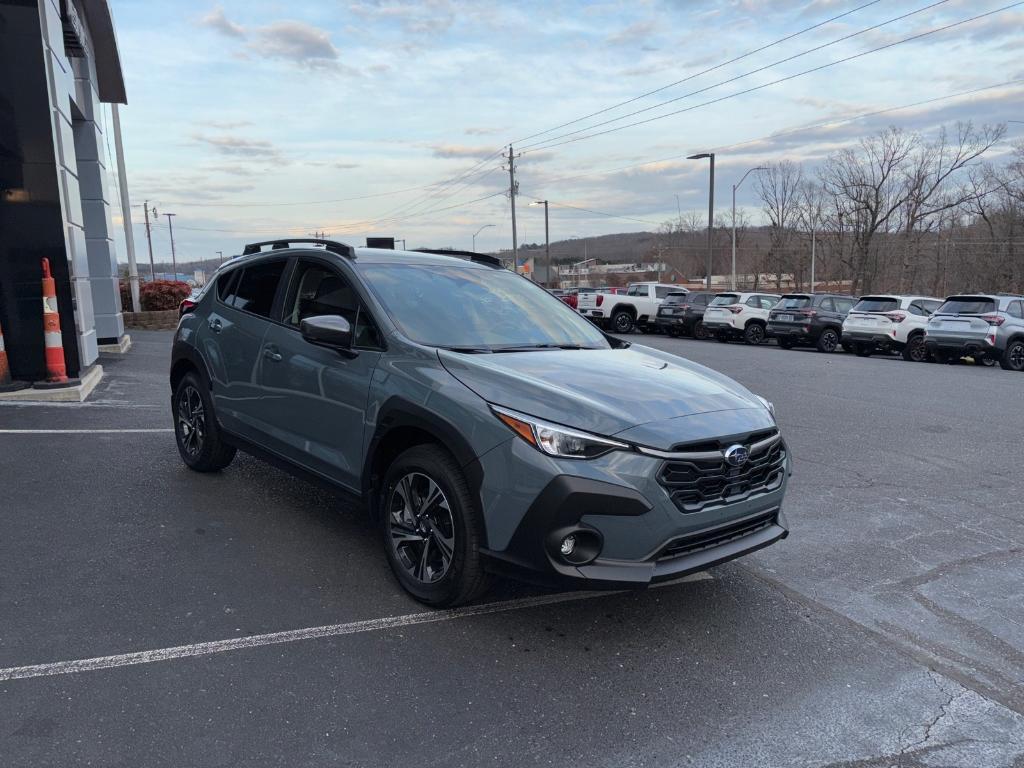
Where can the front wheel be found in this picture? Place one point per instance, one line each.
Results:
(753, 334)
(195, 427)
(432, 530)
(828, 340)
(915, 351)
(1013, 356)
(622, 322)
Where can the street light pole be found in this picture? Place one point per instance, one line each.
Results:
(711, 213)
(734, 188)
(485, 226)
(220, 257)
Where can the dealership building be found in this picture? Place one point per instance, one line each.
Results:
(59, 64)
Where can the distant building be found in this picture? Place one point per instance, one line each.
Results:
(58, 63)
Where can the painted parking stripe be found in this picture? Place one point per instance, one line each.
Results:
(310, 633)
(84, 431)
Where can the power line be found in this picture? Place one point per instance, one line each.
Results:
(791, 131)
(783, 79)
(702, 72)
(795, 56)
(601, 213)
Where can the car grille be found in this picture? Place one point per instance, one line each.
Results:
(697, 484)
(689, 545)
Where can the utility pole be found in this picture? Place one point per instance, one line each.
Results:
(126, 210)
(813, 241)
(149, 239)
(512, 198)
(170, 227)
(734, 188)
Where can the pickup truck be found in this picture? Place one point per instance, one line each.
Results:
(638, 306)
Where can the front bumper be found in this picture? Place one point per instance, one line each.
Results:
(616, 504)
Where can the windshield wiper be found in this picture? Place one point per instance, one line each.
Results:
(531, 347)
(468, 350)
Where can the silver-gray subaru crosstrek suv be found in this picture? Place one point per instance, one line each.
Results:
(487, 426)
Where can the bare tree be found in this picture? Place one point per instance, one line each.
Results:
(778, 186)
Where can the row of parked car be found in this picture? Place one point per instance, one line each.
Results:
(988, 328)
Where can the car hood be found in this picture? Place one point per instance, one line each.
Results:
(604, 391)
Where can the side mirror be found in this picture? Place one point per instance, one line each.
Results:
(331, 331)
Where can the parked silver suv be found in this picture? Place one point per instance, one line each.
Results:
(982, 326)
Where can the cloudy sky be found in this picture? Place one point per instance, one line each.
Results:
(249, 119)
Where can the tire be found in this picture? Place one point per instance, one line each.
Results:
(784, 342)
(700, 332)
(914, 351)
(1013, 356)
(195, 427)
(622, 322)
(433, 548)
(862, 350)
(753, 334)
(828, 340)
(982, 360)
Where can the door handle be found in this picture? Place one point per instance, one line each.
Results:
(271, 353)
(216, 325)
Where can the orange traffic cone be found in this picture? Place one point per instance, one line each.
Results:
(6, 383)
(56, 370)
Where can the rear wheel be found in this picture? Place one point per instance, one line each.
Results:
(195, 427)
(828, 340)
(784, 342)
(432, 530)
(915, 351)
(622, 322)
(699, 331)
(862, 350)
(753, 334)
(1013, 356)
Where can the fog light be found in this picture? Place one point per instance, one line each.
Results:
(568, 545)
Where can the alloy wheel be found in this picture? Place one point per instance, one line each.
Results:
(755, 334)
(1017, 356)
(191, 420)
(829, 341)
(421, 528)
(917, 351)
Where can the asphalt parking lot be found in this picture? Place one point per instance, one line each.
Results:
(888, 629)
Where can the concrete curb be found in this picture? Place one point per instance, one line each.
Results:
(76, 394)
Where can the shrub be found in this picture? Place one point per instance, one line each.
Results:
(158, 295)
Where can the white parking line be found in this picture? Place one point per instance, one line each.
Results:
(83, 431)
(310, 633)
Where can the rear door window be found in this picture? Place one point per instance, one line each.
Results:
(917, 308)
(768, 302)
(843, 306)
(224, 284)
(1016, 309)
(967, 305)
(877, 304)
(827, 305)
(257, 288)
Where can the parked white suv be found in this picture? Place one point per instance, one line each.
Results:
(889, 323)
(622, 311)
(739, 315)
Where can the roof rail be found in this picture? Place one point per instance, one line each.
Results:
(275, 245)
(479, 258)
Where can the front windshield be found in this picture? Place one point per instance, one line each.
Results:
(476, 309)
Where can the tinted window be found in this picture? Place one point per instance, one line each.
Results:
(676, 298)
(319, 290)
(843, 306)
(224, 284)
(700, 299)
(256, 288)
(794, 302)
(478, 308)
(637, 290)
(931, 306)
(1016, 309)
(917, 308)
(769, 302)
(724, 299)
(754, 301)
(967, 305)
(827, 305)
(876, 304)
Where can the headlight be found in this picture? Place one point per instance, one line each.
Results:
(556, 440)
(767, 404)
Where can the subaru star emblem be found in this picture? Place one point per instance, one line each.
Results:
(736, 455)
